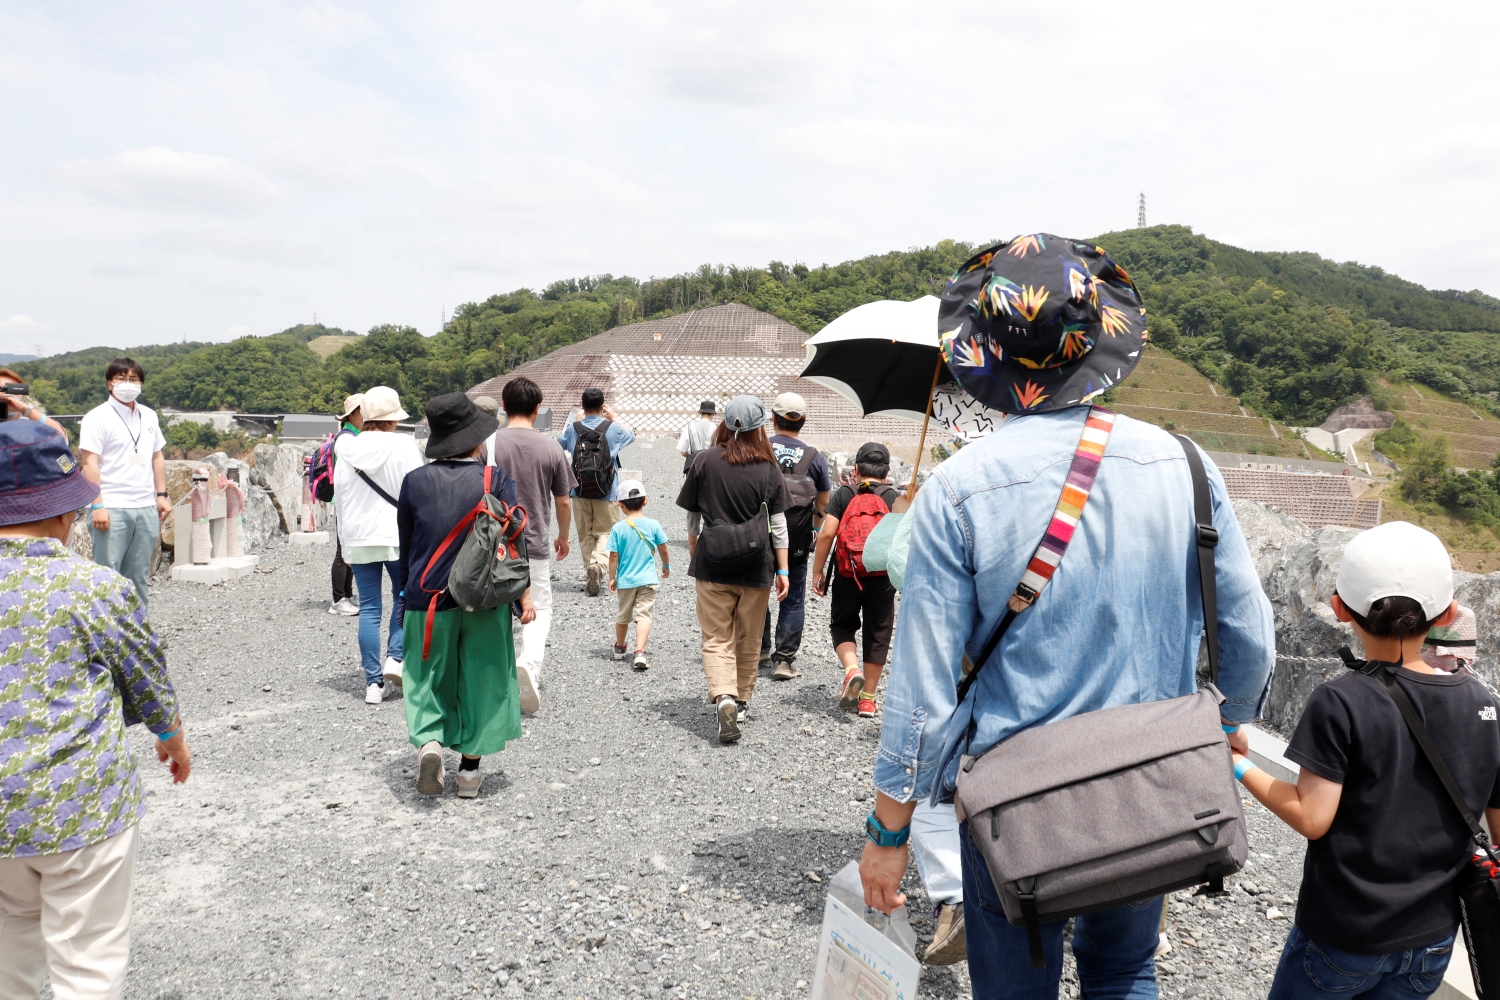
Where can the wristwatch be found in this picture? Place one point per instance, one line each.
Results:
(881, 837)
(163, 493)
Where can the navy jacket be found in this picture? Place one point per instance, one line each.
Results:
(433, 499)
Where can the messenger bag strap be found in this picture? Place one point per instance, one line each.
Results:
(1075, 493)
(376, 487)
(1385, 672)
(1207, 539)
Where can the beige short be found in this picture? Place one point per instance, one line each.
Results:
(636, 603)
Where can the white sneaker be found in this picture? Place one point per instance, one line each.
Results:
(430, 769)
(373, 694)
(526, 683)
(392, 671)
(346, 607)
(468, 784)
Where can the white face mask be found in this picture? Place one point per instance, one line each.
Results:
(126, 392)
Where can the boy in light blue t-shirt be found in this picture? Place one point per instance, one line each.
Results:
(632, 568)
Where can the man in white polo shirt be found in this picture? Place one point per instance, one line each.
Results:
(120, 441)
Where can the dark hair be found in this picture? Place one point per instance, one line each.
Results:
(1391, 616)
(593, 400)
(380, 425)
(124, 366)
(787, 423)
(634, 503)
(745, 447)
(871, 471)
(521, 397)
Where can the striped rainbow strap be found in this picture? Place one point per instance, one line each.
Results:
(1075, 493)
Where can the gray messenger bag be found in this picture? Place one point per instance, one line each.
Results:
(1114, 806)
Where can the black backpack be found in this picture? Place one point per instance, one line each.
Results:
(593, 466)
(802, 504)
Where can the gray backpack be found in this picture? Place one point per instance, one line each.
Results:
(491, 568)
(1069, 823)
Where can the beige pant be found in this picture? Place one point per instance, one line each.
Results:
(732, 620)
(69, 913)
(636, 604)
(594, 519)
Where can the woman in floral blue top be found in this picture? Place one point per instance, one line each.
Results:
(78, 663)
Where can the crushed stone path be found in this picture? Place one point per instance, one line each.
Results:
(616, 850)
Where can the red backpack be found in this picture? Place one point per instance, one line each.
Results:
(860, 518)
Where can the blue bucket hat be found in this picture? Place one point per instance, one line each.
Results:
(39, 477)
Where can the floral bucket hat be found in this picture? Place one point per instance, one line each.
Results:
(1040, 323)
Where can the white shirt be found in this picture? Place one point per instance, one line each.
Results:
(697, 436)
(125, 439)
(365, 517)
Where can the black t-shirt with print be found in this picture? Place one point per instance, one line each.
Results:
(732, 494)
(1382, 878)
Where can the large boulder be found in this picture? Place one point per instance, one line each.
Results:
(278, 469)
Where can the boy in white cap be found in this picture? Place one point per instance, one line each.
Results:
(632, 568)
(1377, 911)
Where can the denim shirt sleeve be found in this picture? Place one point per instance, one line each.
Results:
(927, 657)
(1247, 625)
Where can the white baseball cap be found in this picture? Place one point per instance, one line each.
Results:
(1397, 559)
(631, 489)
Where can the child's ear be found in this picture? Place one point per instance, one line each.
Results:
(1340, 609)
(1447, 616)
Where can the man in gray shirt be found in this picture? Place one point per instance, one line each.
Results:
(543, 476)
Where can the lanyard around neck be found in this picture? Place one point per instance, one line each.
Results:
(135, 438)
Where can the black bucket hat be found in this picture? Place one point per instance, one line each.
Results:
(458, 426)
(39, 477)
(1040, 323)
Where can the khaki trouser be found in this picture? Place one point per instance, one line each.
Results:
(68, 913)
(594, 519)
(732, 620)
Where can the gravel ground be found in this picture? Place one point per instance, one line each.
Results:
(617, 849)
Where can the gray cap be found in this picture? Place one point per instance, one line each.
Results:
(744, 413)
(487, 404)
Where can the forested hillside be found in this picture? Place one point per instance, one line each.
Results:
(1292, 334)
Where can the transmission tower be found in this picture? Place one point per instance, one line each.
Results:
(1140, 217)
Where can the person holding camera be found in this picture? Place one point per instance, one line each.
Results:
(121, 443)
(18, 403)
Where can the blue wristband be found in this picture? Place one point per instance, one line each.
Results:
(167, 736)
(782, 572)
(1242, 767)
(1229, 729)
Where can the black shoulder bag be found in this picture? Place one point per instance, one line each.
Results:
(1478, 887)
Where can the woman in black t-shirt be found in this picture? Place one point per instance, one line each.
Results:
(735, 482)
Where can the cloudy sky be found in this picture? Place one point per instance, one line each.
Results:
(210, 169)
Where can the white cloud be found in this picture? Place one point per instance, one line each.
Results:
(165, 179)
(18, 324)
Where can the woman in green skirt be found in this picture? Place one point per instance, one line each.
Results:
(459, 686)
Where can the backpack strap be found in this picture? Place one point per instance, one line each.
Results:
(1207, 538)
(1075, 494)
(804, 464)
(376, 487)
(458, 529)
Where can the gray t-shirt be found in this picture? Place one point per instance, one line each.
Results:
(541, 471)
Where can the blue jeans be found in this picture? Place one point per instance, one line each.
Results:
(791, 617)
(367, 580)
(1310, 971)
(1113, 948)
(129, 543)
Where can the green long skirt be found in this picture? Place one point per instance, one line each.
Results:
(464, 694)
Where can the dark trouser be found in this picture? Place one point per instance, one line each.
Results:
(866, 604)
(1113, 948)
(791, 617)
(343, 574)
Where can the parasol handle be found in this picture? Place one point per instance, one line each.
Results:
(911, 493)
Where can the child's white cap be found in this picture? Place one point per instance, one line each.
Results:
(1397, 559)
(631, 489)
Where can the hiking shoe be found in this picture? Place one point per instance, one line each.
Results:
(742, 712)
(374, 693)
(526, 686)
(949, 946)
(867, 708)
(593, 583)
(1163, 945)
(729, 726)
(619, 652)
(765, 663)
(641, 663)
(854, 686)
(468, 783)
(783, 671)
(430, 769)
(391, 671)
(346, 607)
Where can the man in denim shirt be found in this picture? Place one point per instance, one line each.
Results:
(1120, 622)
